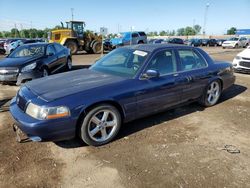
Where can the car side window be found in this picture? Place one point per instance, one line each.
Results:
(191, 60)
(50, 50)
(164, 62)
(58, 47)
(135, 35)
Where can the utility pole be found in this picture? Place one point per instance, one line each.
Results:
(15, 31)
(205, 19)
(72, 14)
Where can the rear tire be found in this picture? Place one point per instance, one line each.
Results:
(69, 64)
(97, 47)
(45, 72)
(100, 125)
(211, 94)
(72, 46)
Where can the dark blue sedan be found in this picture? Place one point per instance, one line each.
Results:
(126, 84)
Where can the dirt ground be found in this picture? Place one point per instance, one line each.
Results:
(178, 148)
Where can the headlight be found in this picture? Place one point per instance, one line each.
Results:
(29, 67)
(238, 57)
(43, 113)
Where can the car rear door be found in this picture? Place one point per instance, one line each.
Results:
(52, 58)
(159, 93)
(61, 55)
(193, 71)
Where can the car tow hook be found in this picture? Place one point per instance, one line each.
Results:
(20, 136)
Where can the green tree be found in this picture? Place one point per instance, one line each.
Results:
(14, 32)
(163, 33)
(24, 33)
(197, 29)
(231, 31)
(189, 31)
(181, 31)
(1, 34)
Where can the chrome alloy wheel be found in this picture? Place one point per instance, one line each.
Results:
(102, 125)
(213, 93)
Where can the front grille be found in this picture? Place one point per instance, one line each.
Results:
(21, 101)
(246, 58)
(8, 71)
(245, 64)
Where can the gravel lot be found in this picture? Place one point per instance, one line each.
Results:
(178, 148)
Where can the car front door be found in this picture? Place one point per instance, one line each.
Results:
(194, 68)
(156, 94)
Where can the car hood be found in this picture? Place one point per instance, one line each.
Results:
(61, 85)
(229, 41)
(116, 41)
(17, 62)
(245, 53)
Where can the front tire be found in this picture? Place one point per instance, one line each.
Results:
(211, 94)
(100, 125)
(72, 46)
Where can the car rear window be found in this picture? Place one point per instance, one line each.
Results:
(191, 60)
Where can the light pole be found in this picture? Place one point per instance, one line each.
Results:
(205, 19)
(72, 14)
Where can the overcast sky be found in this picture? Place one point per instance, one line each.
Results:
(147, 15)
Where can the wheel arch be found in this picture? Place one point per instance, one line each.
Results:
(84, 111)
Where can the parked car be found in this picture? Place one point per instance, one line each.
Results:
(175, 41)
(107, 45)
(156, 41)
(241, 62)
(220, 41)
(209, 42)
(193, 42)
(235, 42)
(204, 42)
(8, 41)
(126, 84)
(13, 45)
(128, 38)
(2, 50)
(31, 61)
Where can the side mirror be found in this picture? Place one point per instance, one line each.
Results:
(151, 74)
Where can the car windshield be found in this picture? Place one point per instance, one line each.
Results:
(122, 62)
(233, 39)
(28, 51)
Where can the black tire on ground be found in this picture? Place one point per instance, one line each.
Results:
(140, 42)
(236, 46)
(96, 124)
(72, 45)
(45, 72)
(211, 94)
(97, 47)
(68, 65)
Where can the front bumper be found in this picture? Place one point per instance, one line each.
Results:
(45, 130)
(241, 65)
(20, 78)
(229, 45)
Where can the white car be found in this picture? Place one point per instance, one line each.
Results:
(12, 46)
(235, 42)
(242, 61)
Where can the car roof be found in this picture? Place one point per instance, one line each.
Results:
(153, 47)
